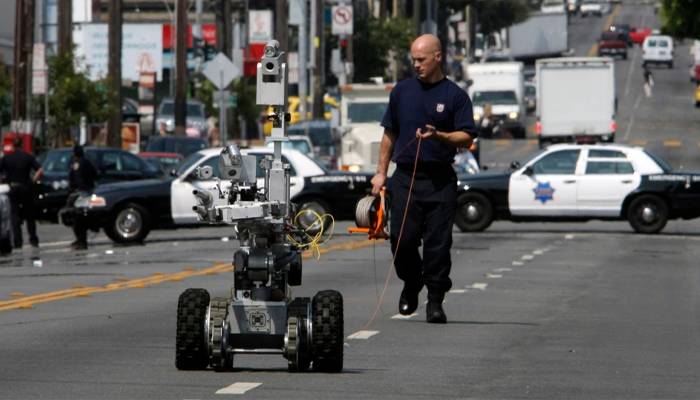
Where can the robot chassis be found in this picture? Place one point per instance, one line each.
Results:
(260, 316)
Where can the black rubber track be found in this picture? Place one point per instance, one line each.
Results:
(191, 351)
(328, 337)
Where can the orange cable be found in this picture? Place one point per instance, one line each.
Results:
(380, 301)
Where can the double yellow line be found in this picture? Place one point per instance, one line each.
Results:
(20, 301)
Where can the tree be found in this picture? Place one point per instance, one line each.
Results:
(492, 15)
(681, 18)
(73, 95)
(5, 94)
(374, 40)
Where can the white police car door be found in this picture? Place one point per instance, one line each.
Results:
(546, 186)
(181, 198)
(296, 182)
(608, 178)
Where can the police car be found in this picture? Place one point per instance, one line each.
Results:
(127, 211)
(568, 182)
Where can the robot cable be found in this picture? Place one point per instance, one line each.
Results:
(316, 240)
(389, 273)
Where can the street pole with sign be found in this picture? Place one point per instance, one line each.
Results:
(221, 71)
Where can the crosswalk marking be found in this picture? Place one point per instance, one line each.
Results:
(478, 286)
(527, 257)
(363, 335)
(239, 388)
(457, 291)
(499, 270)
(493, 276)
(518, 263)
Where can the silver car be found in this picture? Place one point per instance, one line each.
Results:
(196, 116)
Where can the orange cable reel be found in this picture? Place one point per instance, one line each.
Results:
(371, 216)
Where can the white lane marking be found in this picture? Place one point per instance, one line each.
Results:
(239, 388)
(518, 263)
(631, 122)
(546, 249)
(569, 237)
(499, 270)
(109, 252)
(527, 257)
(362, 335)
(493, 276)
(401, 316)
(457, 291)
(538, 252)
(225, 239)
(477, 286)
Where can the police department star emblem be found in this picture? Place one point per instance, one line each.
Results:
(543, 192)
(440, 107)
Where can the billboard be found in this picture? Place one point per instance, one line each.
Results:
(142, 49)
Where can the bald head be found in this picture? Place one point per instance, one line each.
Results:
(427, 42)
(426, 54)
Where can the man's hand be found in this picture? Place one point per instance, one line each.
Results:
(378, 181)
(429, 132)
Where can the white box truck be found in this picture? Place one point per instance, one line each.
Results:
(575, 100)
(501, 85)
(541, 35)
(362, 108)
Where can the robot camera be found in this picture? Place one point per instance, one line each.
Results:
(272, 58)
(204, 173)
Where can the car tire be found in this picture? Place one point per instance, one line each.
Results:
(317, 205)
(130, 224)
(624, 56)
(647, 214)
(474, 212)
(670, 65)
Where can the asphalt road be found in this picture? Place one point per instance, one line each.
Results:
(538, 311)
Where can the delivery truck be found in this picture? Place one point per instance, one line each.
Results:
(575, 100)
(500, 86)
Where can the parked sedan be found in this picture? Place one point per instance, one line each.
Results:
(127, 211)
(581, 182)
(112, 165)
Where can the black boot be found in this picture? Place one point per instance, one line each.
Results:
(408, 302)
(434, 313)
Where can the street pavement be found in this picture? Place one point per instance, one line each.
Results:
(537, 311)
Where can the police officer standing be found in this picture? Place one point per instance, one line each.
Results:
(433, 111)
(17, 168)
(81, 179)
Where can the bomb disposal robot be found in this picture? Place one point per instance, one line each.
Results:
(260, 316)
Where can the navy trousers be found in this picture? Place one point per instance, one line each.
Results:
(429, 220)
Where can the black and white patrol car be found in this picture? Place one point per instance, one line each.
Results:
(128, 211)
(569, 182)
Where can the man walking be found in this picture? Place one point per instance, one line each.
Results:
(17, 169)
(433, 112)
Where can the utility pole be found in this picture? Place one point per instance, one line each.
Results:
(281, 27)
(65, 25)
(114, 124)
(223, 27)
(181, 68)
(24, 29)
(303, 58)
(318, 61)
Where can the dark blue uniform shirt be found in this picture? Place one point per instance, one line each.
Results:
(413, 104)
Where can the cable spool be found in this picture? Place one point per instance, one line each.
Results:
(366, 206)
(370, 216)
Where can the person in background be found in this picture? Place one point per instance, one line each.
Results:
(81, 179)
(17, 169)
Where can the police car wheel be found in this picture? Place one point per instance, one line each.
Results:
(474, 212)
(129, 225)
(647, 214)
(309, 210)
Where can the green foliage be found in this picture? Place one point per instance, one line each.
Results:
(495, 15)
(5, 94)
(73, 95)
(374, 41)
(681, 18)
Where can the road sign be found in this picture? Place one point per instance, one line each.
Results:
(342, 20)
(221, 71)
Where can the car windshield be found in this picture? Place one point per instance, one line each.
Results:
(495, 97)
(188, 162)
(666, 167)
(530, 90)
(59, 160)
(366, 112)
(319, 136)
(296, 144)
(611, 36)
